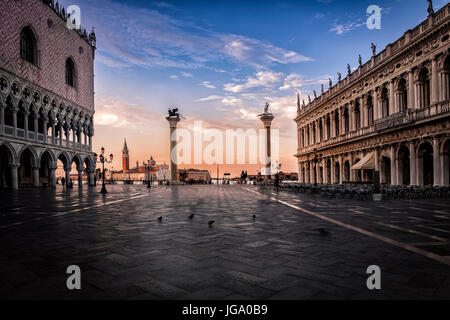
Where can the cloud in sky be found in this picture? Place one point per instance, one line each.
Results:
(209, 98)
(295, 81)
(342, 28)
(207, 84)
(261, 79)
(144, 37)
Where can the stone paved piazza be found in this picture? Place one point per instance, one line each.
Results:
(124, 252)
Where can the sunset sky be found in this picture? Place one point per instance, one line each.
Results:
(220, 61)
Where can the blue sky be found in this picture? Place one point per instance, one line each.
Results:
(220, 61)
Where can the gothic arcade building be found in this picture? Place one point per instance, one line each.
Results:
(391, 115)
(46, 94)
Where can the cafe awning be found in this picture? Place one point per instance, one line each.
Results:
(366, 163)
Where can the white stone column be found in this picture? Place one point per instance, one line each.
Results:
(80, 177)
(392, 101)
(68, 136)
(91, 178)
(317, 166)
(332, 125)
(53, 131)
(14, 177)
(25, 122)
(420, 101)
(411, 95)
(36, 124)
(393, 166)
(434, 82)
(36, 183)
(67, 171)
(333, 171)
(44, 128)
(52, 173)
(173, 122)
(377, 163)
(14, 115)
(266, 119)
(341, 170)
(437, 173)
(60, 134)
(300, 175)
(412, 165)
(376, 107)
(325, 171)
(445, 84)
(352, 118)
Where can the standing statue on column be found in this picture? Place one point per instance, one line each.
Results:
(330, 83)
(339, 77)
(315, 94)
(321, 88)
(360, 60)
(430, 8)
(349, 69)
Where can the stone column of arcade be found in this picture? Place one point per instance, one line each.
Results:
(173, 119)
(266, 119)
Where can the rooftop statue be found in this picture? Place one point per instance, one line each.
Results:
(430, 7)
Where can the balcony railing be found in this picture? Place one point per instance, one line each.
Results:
(8, 131)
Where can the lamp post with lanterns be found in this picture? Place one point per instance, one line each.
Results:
(102, 159)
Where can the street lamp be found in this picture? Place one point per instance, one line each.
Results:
(102, 160)
(150, 164)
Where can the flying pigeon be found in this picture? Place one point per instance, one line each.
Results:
(160, 219)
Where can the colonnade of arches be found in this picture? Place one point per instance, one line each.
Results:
(421, 163)
(28, 168)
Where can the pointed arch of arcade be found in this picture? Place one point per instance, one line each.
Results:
(65, 159)
(28, 171)
(48, 165)
(8, 166)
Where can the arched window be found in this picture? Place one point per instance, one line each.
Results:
(346, 121)
(357, 116)
(384, 102)
(402, 95)
(445, 80)
(370, 115)
(424, 88)
(336, 123)
(70, 72)
(314, 133)
(28, 45)
(328, 127)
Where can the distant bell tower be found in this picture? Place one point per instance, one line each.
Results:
(125, 157)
